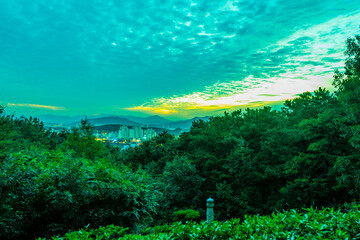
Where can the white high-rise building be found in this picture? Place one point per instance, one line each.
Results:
(124, 132)
(150, 133)
(131, 133)
(138, 132)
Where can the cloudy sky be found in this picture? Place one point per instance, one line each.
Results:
(174, 58)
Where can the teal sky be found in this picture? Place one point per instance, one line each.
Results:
(178, 59)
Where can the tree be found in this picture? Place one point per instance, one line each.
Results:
(82, 141)
(352, 62)
(308, 105)
(21, 133)
(151, 155)
(44, 193)
(181, 185)
(348, 91)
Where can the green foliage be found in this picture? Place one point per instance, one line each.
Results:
(82, 141)
(188, 215)
(50, 192)
(352, 62)
(348, 91)
(308, 105)
(102, 233)
(151, 155)
(180, 184)
(21, 133)
(161, 229)
(305, 224)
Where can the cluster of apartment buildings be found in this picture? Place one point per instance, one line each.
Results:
(136, 133)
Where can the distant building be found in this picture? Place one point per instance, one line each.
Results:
(150, 133)
(131, 133)
(124, 132)
(138, 132)
(112, 135)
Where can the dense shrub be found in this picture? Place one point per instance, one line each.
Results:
(306, 224)
(49, 192)
(108, 232)
(186, 215)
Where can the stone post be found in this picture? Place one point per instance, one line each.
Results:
(210, 210)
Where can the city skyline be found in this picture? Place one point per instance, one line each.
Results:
(177, 59)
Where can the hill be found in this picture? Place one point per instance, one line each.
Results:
(186, 124)
(152, 121)
(56, 121)
(112, 120)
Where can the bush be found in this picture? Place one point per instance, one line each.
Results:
(186, 215)
(162, 229)
(45, 193)
(306, 224)
(108, 232)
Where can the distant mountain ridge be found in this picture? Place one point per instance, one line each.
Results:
(186, 124)
(58, 119)
(112, 120)
(152, 121)
(99, 120)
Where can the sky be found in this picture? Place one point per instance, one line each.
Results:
(174, 58)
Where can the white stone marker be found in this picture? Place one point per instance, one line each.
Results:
(210, 210)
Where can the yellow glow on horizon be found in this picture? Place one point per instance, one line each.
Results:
(29, 105)
(271, 91)
(156, 109)
(197, 110)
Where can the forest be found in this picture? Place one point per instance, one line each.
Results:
(252, 162)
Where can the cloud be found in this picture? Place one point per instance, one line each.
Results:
(29, 105)
(181, 55)
(280, 71)
(252, 92)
